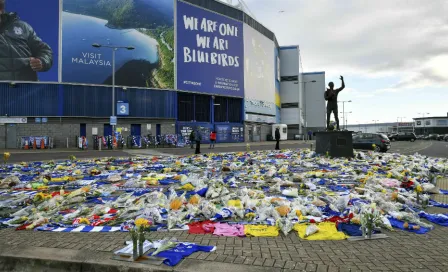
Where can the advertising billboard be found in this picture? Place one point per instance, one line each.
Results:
(210, 52)
(140, 32)
(29, 40)
(259, 72)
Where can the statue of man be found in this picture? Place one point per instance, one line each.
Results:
(331, 95)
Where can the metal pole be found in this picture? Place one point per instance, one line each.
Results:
(343, 113)
(113, 85)
(304, 100)
(113, 92)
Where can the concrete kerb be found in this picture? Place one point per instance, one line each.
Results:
(28, 258)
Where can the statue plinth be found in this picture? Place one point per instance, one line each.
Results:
(335, 144)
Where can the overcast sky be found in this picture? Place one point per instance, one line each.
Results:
(392, 53)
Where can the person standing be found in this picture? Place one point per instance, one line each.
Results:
(331, 95)
(22, 52)
(310, 135)
(212, 139)
(277, 138)
(192, 139)
(198, 139)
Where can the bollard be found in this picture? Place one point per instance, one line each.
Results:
(100, 143)
(67, 142)
(311, 148)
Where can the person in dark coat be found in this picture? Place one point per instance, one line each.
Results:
(198, 139)
(310, 135)
(192, 139)
(22, 52)
(277, 138)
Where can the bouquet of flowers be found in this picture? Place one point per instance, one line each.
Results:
(370, 219)
(141, 226)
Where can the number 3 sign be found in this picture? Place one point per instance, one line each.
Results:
(122, 108)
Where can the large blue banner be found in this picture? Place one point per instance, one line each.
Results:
(210, 52)
(33, 28)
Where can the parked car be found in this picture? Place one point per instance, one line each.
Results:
(433, 136)
(420, 137)
(366, 141)
(445, 138)
(403, 136)
(440, 137)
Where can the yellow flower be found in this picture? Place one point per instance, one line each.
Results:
(141, 222)
(419, 189)
(187, 187)
(283, 210)
(250, 215)
(194, 200)
(84, 221)
(373, 146)
(395, 196)
(176, 204)
(41, 197)
(235, 203)
(6, 156)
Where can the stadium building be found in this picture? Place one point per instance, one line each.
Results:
(111, 67)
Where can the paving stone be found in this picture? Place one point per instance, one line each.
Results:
(220, 258)
(279, 263)
(322, 268)
(311, 267)
(269, 262)
(239, 260)
(212, 257)
(249, 260)
(290, 265)
(300, 266)
(259, 262)
(230, 259)
(203, 256)
(333, 268)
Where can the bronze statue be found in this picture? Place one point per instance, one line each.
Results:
(331, 95)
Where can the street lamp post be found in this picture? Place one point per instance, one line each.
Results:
(376, 128)
(114, 49)
(345, 118)
(343, 110)
(424, 121)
